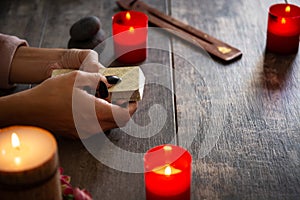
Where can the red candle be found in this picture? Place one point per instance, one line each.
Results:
(130, 31)
(283, 29)
(167, 173)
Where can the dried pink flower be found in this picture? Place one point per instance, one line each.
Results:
(81, 194)
(70, 193)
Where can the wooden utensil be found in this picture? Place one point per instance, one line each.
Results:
(215, 47)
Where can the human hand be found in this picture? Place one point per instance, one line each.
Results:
(34, 65)
(60, 105)
(86, 60)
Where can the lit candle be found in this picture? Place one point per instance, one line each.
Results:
(167, 173)
(283, 29)
(130, 32)
(28, 164)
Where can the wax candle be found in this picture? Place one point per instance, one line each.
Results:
(28, 164)
(283, 29)
(130, 32)
(167, 173)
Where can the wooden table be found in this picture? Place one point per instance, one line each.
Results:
(240, 121)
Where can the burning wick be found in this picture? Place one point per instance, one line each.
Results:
(287, 9)
(128, 16)
(286, 1)
(168, 171)
(15, 142)
(167, 148)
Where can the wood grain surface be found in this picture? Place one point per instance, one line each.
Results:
(256, 105)
(240, 121)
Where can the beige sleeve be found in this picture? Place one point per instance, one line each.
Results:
(8, 46)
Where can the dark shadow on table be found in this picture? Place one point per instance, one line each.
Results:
(277, 70)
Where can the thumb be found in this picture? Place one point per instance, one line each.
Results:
(90, 62)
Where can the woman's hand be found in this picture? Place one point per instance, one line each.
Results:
(60, 105)
(34, 65)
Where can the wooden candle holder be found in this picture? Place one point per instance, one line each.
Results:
(39, 182)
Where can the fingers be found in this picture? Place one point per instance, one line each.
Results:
(83, 59)
(110, 113)
(91, 66)
(93, 83)
(102, 91)
(132, 107)
(81, 79)
(90, 112)
(71, 59)
(90, 62)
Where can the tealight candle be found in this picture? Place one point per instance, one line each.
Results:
(283, 29)
(167, 173)
(28, 164)
(130, 32)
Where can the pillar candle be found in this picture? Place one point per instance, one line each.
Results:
(283, 29)
(167, 173)
(130, 32)
(28, 164)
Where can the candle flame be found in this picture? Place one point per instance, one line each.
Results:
(168, 171)
(167, 148)
(288, 9)
(128, 16)
(131, 29)
(283, 21)
(15, 142)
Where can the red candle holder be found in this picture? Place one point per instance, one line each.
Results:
(130, 32)
(167, 173)
(283, 29)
